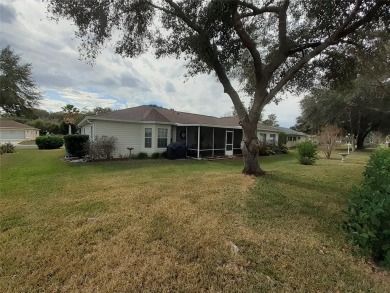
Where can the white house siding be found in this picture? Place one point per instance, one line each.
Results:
(293, 140)
(31, 134)
(128, 135)
(87, 130)
(263, 133)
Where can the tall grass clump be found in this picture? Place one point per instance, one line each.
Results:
(307, 152)
(368, 223)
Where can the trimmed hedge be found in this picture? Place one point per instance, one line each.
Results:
(368, 223)
(49, 142)
(75, 144)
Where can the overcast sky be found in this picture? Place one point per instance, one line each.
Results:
(112, 81)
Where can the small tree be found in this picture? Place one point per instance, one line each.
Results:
(328, 138)
(307, 152)
(271, 120)
(282, 139)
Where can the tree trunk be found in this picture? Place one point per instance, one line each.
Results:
(69, 128)
(360, 142)
(353, 144)
(250, 151)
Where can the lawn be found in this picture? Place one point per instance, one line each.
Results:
(178, 226)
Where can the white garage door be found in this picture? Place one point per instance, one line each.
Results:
(11, 134)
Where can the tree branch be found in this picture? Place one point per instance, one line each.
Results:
(332, 40)
(352, 15)
(282, 53)
(179, 13)
(260, 83)
(213, 59)
(283, 27)
(303, 47)
(256, 10)
(161, 8)
(248, 43)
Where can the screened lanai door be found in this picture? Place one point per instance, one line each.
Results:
(229, 143)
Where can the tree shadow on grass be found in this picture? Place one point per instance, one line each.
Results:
(283, 199)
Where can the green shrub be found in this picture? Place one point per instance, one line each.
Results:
(75, 144)
(282, 139)
(142, 156)
(263, 150)
(156, 155)
(368, 223)
(307, 152)
(7, 148)
(49, 142)
(101, 148)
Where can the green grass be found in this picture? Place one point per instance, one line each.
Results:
(178, 226)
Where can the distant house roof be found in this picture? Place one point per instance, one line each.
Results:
(11, 124)
(163, 115)
(289, 131)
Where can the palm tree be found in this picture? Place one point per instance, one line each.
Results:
(70, 113)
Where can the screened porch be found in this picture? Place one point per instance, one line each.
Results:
(209, 142)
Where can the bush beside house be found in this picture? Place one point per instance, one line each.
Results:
(75, 144)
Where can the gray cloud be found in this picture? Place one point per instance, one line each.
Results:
(53, 80)
(126, 80)
(169, 87)
(7, 13)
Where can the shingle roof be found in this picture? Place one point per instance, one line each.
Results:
(159, 114)
(289, 131)
(14, 124)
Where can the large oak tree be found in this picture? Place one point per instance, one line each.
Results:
(277, 40)
(18, 91)
(356, 99)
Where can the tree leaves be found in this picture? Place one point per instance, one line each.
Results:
(17, 90)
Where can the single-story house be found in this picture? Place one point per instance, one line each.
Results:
(12, 131)
(150, 129)
(293, 137)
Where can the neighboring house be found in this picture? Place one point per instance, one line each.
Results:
(150, 129)
(293, 137)
(13, 131)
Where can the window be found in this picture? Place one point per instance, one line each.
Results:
(162, 138)
(263, 138)
(148, 138)
(273, 138)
